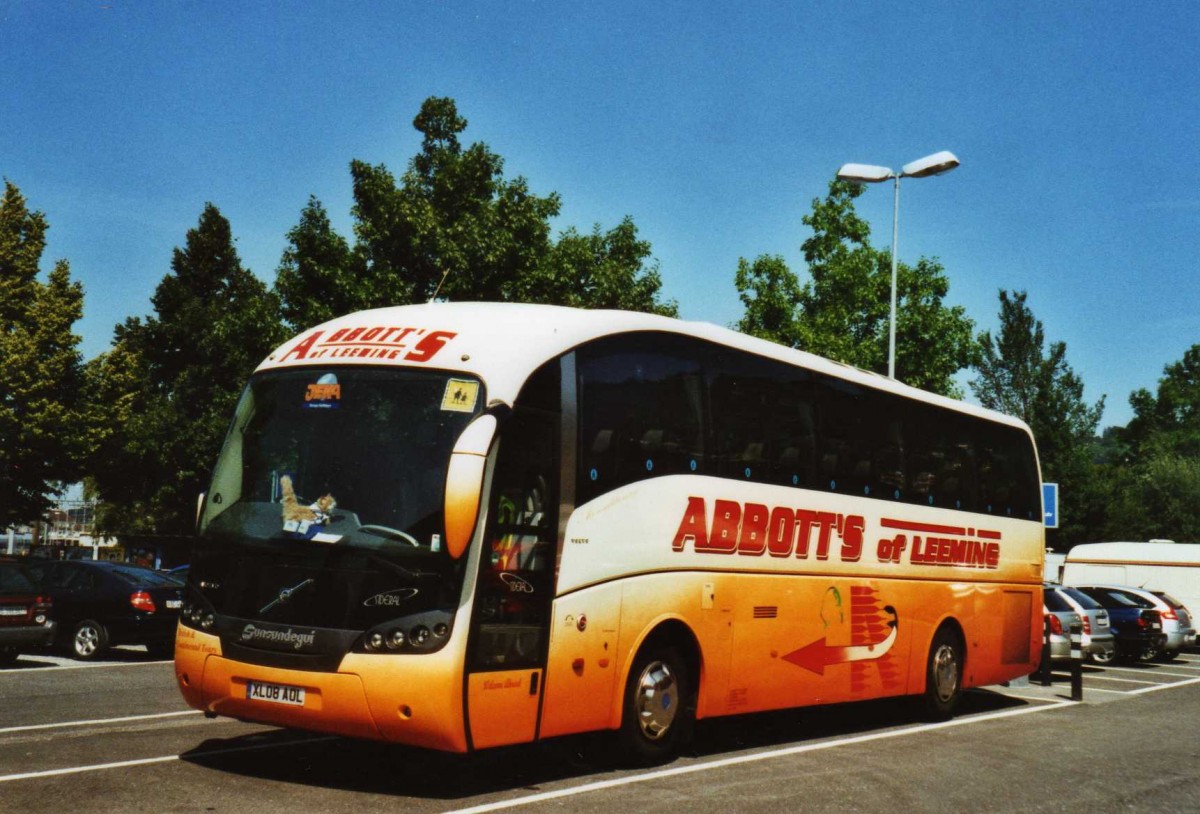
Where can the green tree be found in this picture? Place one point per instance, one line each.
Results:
(320, 277)
(610, 269)
(41, 432)
(770, 292)
(455, 228)
(1019, 375)
(1168, 421)
(842, 312)
(1158, 497)
(184, 366)
(1154, 478)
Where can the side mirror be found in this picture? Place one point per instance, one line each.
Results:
(464, 482)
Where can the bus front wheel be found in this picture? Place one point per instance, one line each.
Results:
(943, 674)
(659, 707)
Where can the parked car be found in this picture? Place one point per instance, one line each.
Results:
(99, 604)
(1177, 622)
(1135, 622)
(1098, 641)
(1059, 618)
(25, 623)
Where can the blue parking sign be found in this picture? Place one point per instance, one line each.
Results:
(1050, 504)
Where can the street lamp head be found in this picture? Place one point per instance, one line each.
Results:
(935, 164)
(864, 173)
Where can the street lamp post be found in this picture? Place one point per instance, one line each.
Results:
(935, 164)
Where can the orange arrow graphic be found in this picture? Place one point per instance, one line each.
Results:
(816, 656)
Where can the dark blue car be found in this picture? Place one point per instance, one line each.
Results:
(100, 604)
(1136, 624)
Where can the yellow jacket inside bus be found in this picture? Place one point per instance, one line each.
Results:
(459, 526)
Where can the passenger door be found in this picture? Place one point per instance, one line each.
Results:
(511, 621)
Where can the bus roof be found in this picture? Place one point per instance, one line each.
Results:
(503, 343)
(1136, 553)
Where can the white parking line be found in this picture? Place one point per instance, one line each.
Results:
(1116, 692)
(79, 665)
(1165, 686)
(97, 721)
(1144, 672)
(1034, 698)
(754, 758)
(1123, 680)
(124, 764)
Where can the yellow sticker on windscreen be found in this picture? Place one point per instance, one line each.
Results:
(460, 396)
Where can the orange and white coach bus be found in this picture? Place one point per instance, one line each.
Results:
(459, 526)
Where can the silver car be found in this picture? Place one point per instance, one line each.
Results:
(1059, 618)
(1099, 643)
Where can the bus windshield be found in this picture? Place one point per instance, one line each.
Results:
(337, 472)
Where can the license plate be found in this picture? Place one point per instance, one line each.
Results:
(174, 604)
(275, 693)
(12, 611)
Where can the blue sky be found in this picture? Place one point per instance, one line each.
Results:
(713, 125)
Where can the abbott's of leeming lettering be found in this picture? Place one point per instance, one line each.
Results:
(754, 529)
(378, 343)
(536, 521)
(781, 531)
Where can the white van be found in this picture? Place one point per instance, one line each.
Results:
(1157, 565)
(1052, 566)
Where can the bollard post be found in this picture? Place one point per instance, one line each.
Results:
(1043, 673)
(1076, 661)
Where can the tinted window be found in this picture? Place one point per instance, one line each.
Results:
(942, 469)
(144, 578)
(1132, 598)
(515, 580)
(1006, 471)
(1170, 600)
(641, 406)
(14, 580)
(1085, 601)
(1115, 600)
(1055, 603)
(656, 404)
(764, 428)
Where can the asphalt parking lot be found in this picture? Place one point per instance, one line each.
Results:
(114, 736)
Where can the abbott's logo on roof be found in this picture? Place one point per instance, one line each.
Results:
(251, 634)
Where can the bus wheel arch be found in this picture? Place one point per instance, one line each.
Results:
(945, 670)
(658, 701)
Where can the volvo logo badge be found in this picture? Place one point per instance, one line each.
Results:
(285, 595)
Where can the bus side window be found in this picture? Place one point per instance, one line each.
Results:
(1007, 475)
(762, 420)
(640, 413)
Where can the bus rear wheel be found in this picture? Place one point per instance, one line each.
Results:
(943, 675)
(659, 707)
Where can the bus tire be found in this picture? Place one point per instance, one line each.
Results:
(943, 674)
(659, 707)
(89, 640)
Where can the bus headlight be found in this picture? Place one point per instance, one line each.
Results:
(418, 633)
